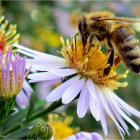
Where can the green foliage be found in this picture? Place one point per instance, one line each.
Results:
(6, 106)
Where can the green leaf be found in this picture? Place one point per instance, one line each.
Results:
(14, 119)
(33, 99)
(21, 133)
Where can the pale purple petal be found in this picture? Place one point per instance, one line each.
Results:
(34, 81)
(83, 102)
(72, 91)
(94, 108)
(102, 114)
(7, 73)
(127, 107)
(128, 119)
(62, 72)
(35, 53)
(3, 77)
(92, 90)
(44, 65)
(28, 89)
(96, 136)
(94, 105)
(52, 82)
(122, 122)
(48, 82)
(58, 92)
(108, 109)
(85, 136)
(42, 76)
(22, 100)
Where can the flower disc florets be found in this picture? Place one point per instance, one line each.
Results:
(61, 126)
(90, 63)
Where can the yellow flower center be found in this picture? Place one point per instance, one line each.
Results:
(61, 126)
(91, 62)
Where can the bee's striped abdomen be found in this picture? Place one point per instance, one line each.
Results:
(128, 46)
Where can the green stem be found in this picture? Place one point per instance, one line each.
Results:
(47, 110)
(0, 128)
(52, 107)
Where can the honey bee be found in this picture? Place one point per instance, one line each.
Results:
(115, 33)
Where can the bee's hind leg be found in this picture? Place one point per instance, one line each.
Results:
(110, 60)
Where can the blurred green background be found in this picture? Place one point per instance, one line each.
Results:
(42, 23)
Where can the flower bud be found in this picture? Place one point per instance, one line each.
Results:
(40, 131)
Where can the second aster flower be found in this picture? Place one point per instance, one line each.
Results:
(82, 74)
(12, 75)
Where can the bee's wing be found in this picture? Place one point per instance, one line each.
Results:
(121, 19)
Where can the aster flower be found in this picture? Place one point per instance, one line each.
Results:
(62, 130)
(12, 75)
(61, 126)
(82, 73)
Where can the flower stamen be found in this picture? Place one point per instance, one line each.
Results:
(90, 63)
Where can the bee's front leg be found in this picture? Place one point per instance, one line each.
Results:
(90, 41)
(111, 58)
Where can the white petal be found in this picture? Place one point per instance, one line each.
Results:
(108, 109)
(62, 72)
(72, 91)
(52, 82)
(94, 108)
(125, 106)
(42, 76)
(85, 136)
(28, 89)
(73, 137)
(80, 136)
(92, 90)
(103, 119)
(123, 114)
(83, 102)
(96, 136)
(34, 81)
(102, 115)
(57, 92)
(37, 53)
(45, 64)
(26, 53)
(122, 122)
(22, 100)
